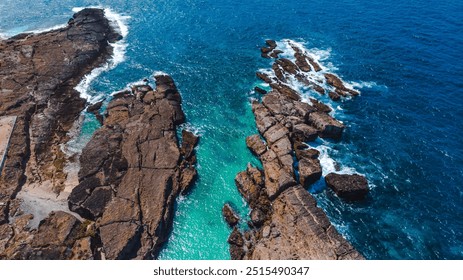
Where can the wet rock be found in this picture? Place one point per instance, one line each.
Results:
(271, 43)
(310, 171)
(260, 90)
(321, 107)
(275, 53)
(328, 126)
(189, 142)
(349, 187)
(256, 145)
(334, 96)
(336, 82)
(236, 242)
(230, 215)
(304, 133)
(257, 217)
(38, 87)
(301, 150)
(132, 170)
(264, 77)
(285, 90)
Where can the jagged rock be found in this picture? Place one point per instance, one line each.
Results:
(187, 178)
(301, 151)
(310, 171)
(260, 90)
(304, 133)
(287, 65)
(321, 107)
(349, 187)
(248, 188)
(45, 69)
(271, 43)
(189, 142)
(328, 126)
(133, 169)
(264, 77)
(230, 215)
(285, 90)
(256, 145)
(236, 242)
(334, 96)
(275, 53)
(95, 107)
(300, 230)
(336, 82)
(257, 217)
(285, 220)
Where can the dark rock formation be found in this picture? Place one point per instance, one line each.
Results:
(285, 222)
(350, 187)
(230, 215)
(133, 169)
(260, 90)
(38, 75)
(60, 236)
(95, 109)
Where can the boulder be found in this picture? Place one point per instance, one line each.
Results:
(310, 171)
(260, 90)
(346, 186)
(256, 145)
(304, 133)
(328, 126)
(230, 215)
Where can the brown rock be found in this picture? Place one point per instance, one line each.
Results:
(260, 90)
(327, 125)
(271, 43)
(256, 145)
(321, 107)
(300, 230)
(334, 96)
(264, 77)
(310, 171)
(304, 133)
(37, 86)
(236, 242)
(349, 187)
(230, 215)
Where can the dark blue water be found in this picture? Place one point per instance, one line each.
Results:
(404, 131)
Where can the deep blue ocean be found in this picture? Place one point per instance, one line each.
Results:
(404, 132)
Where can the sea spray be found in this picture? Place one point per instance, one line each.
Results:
(119, 23)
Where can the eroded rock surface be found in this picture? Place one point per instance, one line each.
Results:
(38, 73)
(285, 221)
(348, 186)
(133, 169)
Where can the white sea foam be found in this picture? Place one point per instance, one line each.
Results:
(119, 23)
(160, 73)
(328, 164)
(196, 130)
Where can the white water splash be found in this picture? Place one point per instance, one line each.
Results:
(119, 23)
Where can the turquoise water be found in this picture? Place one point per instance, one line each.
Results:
(404, 131)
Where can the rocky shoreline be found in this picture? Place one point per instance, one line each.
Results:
(285, 221)
(120, 205)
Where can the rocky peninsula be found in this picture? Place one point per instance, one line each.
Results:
(285, 221)
(119, 205)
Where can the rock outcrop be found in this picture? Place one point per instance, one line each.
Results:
(348, 186)
(38, 74)
(133, 169)
(230, 215)
(285, 221)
